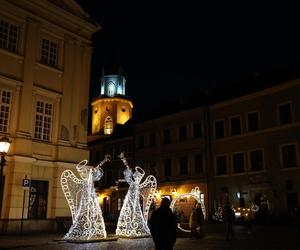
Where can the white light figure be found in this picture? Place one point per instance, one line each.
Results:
(88, 223)
(195, 193)
(132, 221)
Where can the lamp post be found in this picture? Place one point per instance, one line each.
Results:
(4, 147)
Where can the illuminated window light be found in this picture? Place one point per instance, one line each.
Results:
(132, 221)
(88, 223)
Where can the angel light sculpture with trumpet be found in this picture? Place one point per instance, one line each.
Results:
(88, 223)
(133, 219)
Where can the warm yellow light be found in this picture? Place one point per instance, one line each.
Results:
(4, 145)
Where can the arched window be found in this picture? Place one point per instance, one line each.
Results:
(111, 89)
(108, 126)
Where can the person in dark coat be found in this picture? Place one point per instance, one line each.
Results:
(163, 226)
(229, 218)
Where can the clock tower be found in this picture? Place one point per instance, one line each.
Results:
(112, 107)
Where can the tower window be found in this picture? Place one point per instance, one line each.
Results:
(111, 89)
(108, 126)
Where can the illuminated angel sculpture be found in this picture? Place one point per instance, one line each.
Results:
(88, 223)
(132, 221)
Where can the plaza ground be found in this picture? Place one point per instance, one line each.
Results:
(261, 237)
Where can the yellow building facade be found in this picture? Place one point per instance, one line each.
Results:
(45, 56)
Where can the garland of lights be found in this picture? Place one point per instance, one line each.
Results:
(88, 223)
(132, 221)
(195, 193)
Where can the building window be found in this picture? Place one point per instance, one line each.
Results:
(168, 167)
(221, 164)
(49, 52)
(108, 126)
(256, 160)
(43, 120)
(291, 196)
(289, 156)
(4, 109)
(182, 133)
(235, 125)
(219, 129)
(167, 136)
(198, 163)
(152, 139)
(8, 36)
(183, 165)
(253, 122)
(238, 163)
(285, 113)
(197, 127)
(38, 198)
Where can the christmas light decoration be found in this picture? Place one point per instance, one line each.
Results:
(132, 221)
(88, 223)
(218, 215)
(254, 208)
(196, 194)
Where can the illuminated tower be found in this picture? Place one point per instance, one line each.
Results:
(112, 107)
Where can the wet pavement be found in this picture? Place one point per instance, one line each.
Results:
(261, 237)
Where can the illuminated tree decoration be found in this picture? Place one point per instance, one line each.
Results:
(88, 223)
(132, 221)
(195, 193)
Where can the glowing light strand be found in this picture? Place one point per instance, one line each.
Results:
(195, 193)
(88, 223)
(132, 221)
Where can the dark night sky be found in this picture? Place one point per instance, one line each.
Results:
(171, 49)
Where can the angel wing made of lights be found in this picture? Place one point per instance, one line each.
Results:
(71, 186)
(147, 190)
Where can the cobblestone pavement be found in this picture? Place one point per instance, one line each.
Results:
(275, 238)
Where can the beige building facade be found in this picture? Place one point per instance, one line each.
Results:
(255, 150)
(45, 56)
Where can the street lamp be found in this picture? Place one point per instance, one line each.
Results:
(4, 147)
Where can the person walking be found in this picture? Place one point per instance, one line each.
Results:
(163, 226)
(196, 221)
(229, 218)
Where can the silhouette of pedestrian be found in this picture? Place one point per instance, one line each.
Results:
(196, 221)
(229, 218)
(163, 226)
